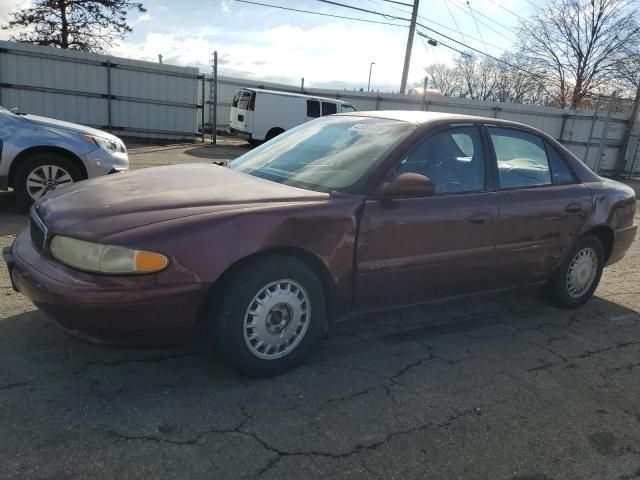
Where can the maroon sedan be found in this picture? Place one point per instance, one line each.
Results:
(345, 214)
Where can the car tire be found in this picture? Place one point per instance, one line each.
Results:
(263, 334)
(273, 133)
(52, 168)
(578, 276)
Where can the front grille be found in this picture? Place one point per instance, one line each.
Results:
(38, 232)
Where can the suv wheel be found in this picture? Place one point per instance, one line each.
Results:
(42, 173)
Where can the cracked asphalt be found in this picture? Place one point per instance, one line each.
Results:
(498, 387)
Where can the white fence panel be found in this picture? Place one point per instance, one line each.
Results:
(127, 97)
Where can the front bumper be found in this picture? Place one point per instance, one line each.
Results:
(99, 162)
(239, 133)
(110, 308)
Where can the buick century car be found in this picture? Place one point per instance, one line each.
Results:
(345, 214)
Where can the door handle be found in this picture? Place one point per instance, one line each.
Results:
(573, 208)
(479, 218)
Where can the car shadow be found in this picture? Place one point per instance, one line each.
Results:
(218, 152)
(14, 217)
(455, 364)
(36, 347)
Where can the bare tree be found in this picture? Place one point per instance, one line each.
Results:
(579, 44)
(478, 76)
(443, 78)
(87, 25)
(629, 67)
(517, 82)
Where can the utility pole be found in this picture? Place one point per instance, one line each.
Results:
(213, 98)
(424, 92)
(407, 55)
(369, 84)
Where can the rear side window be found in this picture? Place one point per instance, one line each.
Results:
(313, 108)
(522, 158)
(329, 108)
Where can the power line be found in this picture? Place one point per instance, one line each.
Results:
(505, 62)
(460, 6)
(422, 34)
(320, 13)
(531, 3)
(399, 3)
(455, 22)
(458, 30)
(466, 35)
(338, 4)
(507, 10)
(477, 27)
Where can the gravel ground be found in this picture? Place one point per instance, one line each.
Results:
(500, 387)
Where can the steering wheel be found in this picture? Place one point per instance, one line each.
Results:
(443, 183)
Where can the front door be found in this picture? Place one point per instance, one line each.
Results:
(416, 249)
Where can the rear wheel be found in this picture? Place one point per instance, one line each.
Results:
(42, 173)
(578, 276)
(274, 132)
(270, 316)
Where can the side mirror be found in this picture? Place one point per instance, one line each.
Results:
(409, 185)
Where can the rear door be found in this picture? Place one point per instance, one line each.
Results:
(541, 204)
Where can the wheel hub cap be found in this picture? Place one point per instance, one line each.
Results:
(46, 178)
(582, 272)
(277, 319)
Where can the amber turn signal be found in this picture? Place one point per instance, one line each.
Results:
(147, 262)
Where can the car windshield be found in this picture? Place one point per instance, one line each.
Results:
(330, 153)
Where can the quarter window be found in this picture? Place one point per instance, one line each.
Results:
(522, 158)
(560, 172)
(347, 108)
(452, 159)
(313, 108)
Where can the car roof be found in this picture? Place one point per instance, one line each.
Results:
(421, 118)
(293, 94)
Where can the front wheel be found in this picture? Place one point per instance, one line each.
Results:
(270, 316)
(42, 173)
(578, 276)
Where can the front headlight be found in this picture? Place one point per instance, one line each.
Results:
(95, 257)
(105, 143)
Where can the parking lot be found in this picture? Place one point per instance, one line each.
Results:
(499, 387)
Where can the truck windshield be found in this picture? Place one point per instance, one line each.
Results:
(242, 100)
(329, 153)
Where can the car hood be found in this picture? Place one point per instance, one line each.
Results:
(67, 126)
(97, 208)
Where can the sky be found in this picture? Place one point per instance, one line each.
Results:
(282, 46)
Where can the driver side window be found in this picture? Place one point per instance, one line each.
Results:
(452, 159)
